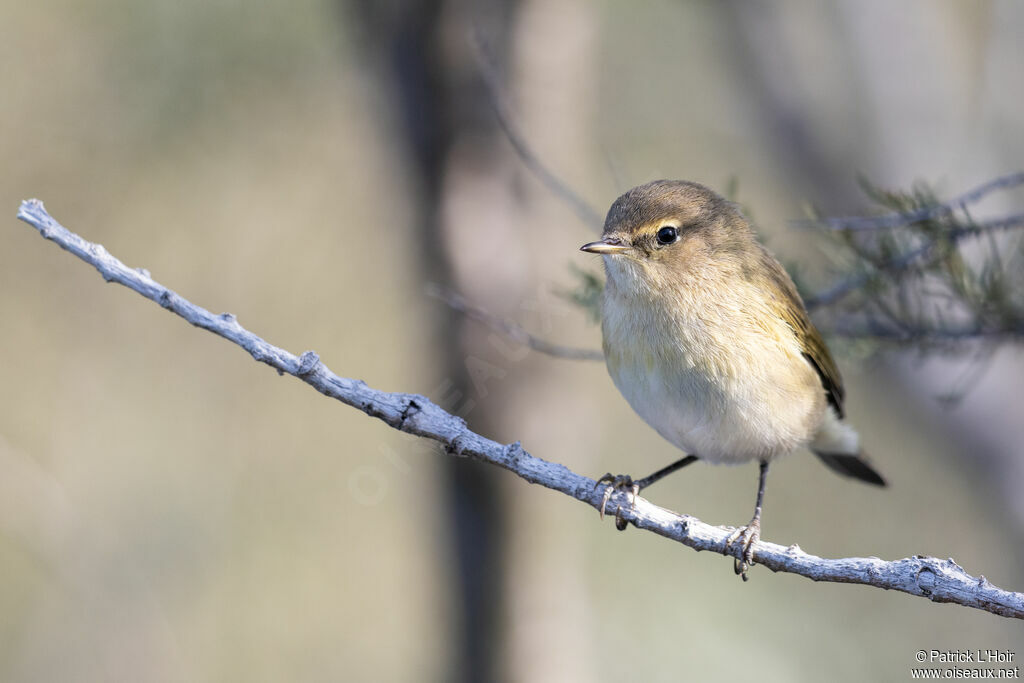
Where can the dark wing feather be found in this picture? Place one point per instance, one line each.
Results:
(792, 310)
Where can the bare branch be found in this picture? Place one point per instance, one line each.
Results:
(509, 329)
(929, 577)
(489, 73)
(895, 220)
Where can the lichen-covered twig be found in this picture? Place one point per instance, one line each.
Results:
(929, 577)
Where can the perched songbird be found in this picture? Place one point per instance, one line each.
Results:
(708, 340)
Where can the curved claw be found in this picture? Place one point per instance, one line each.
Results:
(750, 535)
(617, 482)
(604, 500)
(620, 521)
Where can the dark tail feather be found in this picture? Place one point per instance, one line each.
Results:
(855, 466)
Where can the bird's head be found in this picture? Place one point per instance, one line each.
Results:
(666, 232)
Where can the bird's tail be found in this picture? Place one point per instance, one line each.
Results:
(838, 446)
(856, 466)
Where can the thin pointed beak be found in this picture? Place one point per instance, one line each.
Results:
(609, 245)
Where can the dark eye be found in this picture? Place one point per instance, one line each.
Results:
(668, 235)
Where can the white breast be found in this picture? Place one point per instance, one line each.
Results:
(714, 380)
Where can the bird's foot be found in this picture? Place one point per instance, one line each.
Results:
(747, 535)
(618, 482)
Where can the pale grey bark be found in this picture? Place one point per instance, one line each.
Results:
(930, 577)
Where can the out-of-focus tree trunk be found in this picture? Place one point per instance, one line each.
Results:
(447, 127)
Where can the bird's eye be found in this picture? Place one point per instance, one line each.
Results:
(667, 235)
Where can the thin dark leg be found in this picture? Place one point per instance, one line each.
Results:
(751, 533)
(760, 489)
(623, 482)
(665, 471)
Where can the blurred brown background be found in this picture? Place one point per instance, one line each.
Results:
(170, 510)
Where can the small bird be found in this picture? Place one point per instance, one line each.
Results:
(709, 341)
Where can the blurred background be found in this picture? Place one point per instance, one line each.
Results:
(172, 511)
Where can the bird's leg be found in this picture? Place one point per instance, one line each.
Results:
(624, 482)
(665, 471)
(751, 533)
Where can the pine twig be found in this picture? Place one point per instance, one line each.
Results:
(907, 259)
(898, 219)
